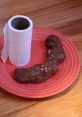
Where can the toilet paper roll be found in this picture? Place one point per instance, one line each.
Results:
(17, 40)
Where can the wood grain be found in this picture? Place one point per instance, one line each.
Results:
(66, 17)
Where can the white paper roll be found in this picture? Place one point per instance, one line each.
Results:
(17, 40)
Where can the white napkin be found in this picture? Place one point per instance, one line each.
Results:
(17, 43)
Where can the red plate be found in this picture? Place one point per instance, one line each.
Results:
(65, 76)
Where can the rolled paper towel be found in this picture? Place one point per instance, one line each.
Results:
(17, 40)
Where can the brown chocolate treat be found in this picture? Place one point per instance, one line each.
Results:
(22, 75)
(55, 50)
(36, 74)
(56, 55)
(41, 72)
(53, 41)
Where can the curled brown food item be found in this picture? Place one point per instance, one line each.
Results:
(52, 42)
(41, 72)
(55, 49)
(36, 74)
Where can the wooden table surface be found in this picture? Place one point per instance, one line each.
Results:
(66, 17)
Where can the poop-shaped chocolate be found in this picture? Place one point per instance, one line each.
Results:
(41, 72)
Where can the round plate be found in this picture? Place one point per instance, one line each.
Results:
(65, 76)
